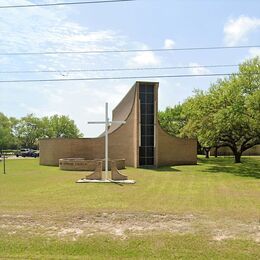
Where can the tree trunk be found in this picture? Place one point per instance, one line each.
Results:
(237, 153)
(237, 157)
(216, 152)
(207, 150)
(199, 148)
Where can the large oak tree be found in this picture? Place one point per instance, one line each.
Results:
(228, 114)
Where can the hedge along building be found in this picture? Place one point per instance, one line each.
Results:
(140, 141)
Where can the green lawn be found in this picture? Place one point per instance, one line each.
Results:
(216, 187)
(216, 193)
(163, 246)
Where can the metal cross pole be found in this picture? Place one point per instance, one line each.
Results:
(107, 124)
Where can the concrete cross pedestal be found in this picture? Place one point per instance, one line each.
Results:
(107, 123)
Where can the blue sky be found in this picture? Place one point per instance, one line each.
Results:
(143, 24)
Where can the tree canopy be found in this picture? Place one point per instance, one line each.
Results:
(26, 131)
(172, 119)
(5, 131)
(228, 114)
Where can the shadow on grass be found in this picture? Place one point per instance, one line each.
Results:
(167, 169)
(160, 169)
(250, 167)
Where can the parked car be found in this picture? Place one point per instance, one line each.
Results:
(25, 152)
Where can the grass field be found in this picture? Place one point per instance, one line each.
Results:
(211, 210)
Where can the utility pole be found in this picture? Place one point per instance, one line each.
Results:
(3, 161)
(4, 164)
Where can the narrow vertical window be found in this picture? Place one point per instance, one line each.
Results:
(146, 150)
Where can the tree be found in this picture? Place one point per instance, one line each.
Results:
(5, 131)
(60, 126)
(199, 122)
(229, 113)
(172, 120)
(28, 130)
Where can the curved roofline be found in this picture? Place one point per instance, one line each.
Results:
(134, 86)
(132, 106)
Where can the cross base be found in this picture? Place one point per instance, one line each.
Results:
(106, 181)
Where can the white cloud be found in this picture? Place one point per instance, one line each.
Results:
(168, 44)
(254, 52)
(50, 29)
(83, 103)
(238, 30)
(3, 60)
(147, 58)
(29, 109)
(197, 69)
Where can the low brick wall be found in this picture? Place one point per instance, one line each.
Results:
(81, 164)
(226, 151)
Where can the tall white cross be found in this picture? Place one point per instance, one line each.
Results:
(107, 124)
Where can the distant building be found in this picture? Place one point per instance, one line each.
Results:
(141, 141)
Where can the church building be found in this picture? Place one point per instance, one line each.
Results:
(140, 141)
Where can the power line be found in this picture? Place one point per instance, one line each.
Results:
(128, 50)
(118, 69)
(126, 77)
(64, 3)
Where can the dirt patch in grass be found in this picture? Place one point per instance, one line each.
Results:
(122, 225)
